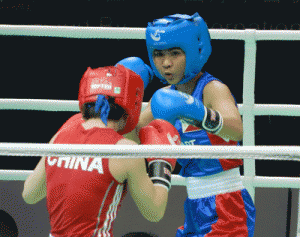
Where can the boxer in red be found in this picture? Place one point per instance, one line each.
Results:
(83, 193)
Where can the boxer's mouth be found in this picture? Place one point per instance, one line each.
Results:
(167, 74)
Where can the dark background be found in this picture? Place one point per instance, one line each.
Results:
(51, 68)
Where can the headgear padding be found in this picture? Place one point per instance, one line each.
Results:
(189, 33)
(118, 82)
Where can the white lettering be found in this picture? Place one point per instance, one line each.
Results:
(61, 159)
(189, 98)
(190, 143)
(103, 86)
(173, 140)
(96, 164)
(72, 163)
(83, 162)
(51, 162)
(75, 162)
(156, 35)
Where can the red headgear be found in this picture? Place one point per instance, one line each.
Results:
(119, 82)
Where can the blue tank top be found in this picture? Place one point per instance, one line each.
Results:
(191, 135)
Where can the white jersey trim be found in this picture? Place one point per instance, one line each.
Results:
(102, 204)
(111, 213)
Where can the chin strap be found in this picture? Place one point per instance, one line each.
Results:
(102, 104)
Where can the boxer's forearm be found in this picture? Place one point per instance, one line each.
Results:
(232, 129)
(160, 201)
(35, 185)
(34, 190)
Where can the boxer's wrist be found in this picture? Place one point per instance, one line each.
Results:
(212, 121)
(160, 173)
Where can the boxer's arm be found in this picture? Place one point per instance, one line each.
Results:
(151, 200)
(147, 191)
(35, 185)
(217, 96)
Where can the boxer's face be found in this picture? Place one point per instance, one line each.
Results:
(170, 63)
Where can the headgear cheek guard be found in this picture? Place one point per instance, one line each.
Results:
(118, 82)
(190, 33)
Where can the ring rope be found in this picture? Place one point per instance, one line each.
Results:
(257, 181)
(291, 153)
(81, 32)
(72, 106)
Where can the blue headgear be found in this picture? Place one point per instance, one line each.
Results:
(190, 33)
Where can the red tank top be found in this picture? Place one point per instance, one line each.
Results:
(82, 195)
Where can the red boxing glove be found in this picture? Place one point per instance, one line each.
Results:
(160, 132)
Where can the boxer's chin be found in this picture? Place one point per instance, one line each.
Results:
(172, 79)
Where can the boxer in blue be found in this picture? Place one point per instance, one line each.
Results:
(204, 112)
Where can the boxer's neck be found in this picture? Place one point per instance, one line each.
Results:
(189, 86)
(98, 123)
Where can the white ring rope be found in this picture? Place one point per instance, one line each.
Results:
(257, 181)
(74, 32)
(291, 153)
(41, 105)
(135, 33)
(72, 106)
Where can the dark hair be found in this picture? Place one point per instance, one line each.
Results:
(139, 234)
(115, 113)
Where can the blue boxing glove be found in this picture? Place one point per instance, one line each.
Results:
(138, 66)
(170, 105)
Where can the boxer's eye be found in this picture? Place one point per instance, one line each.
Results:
(175, 53)
(157, 54)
